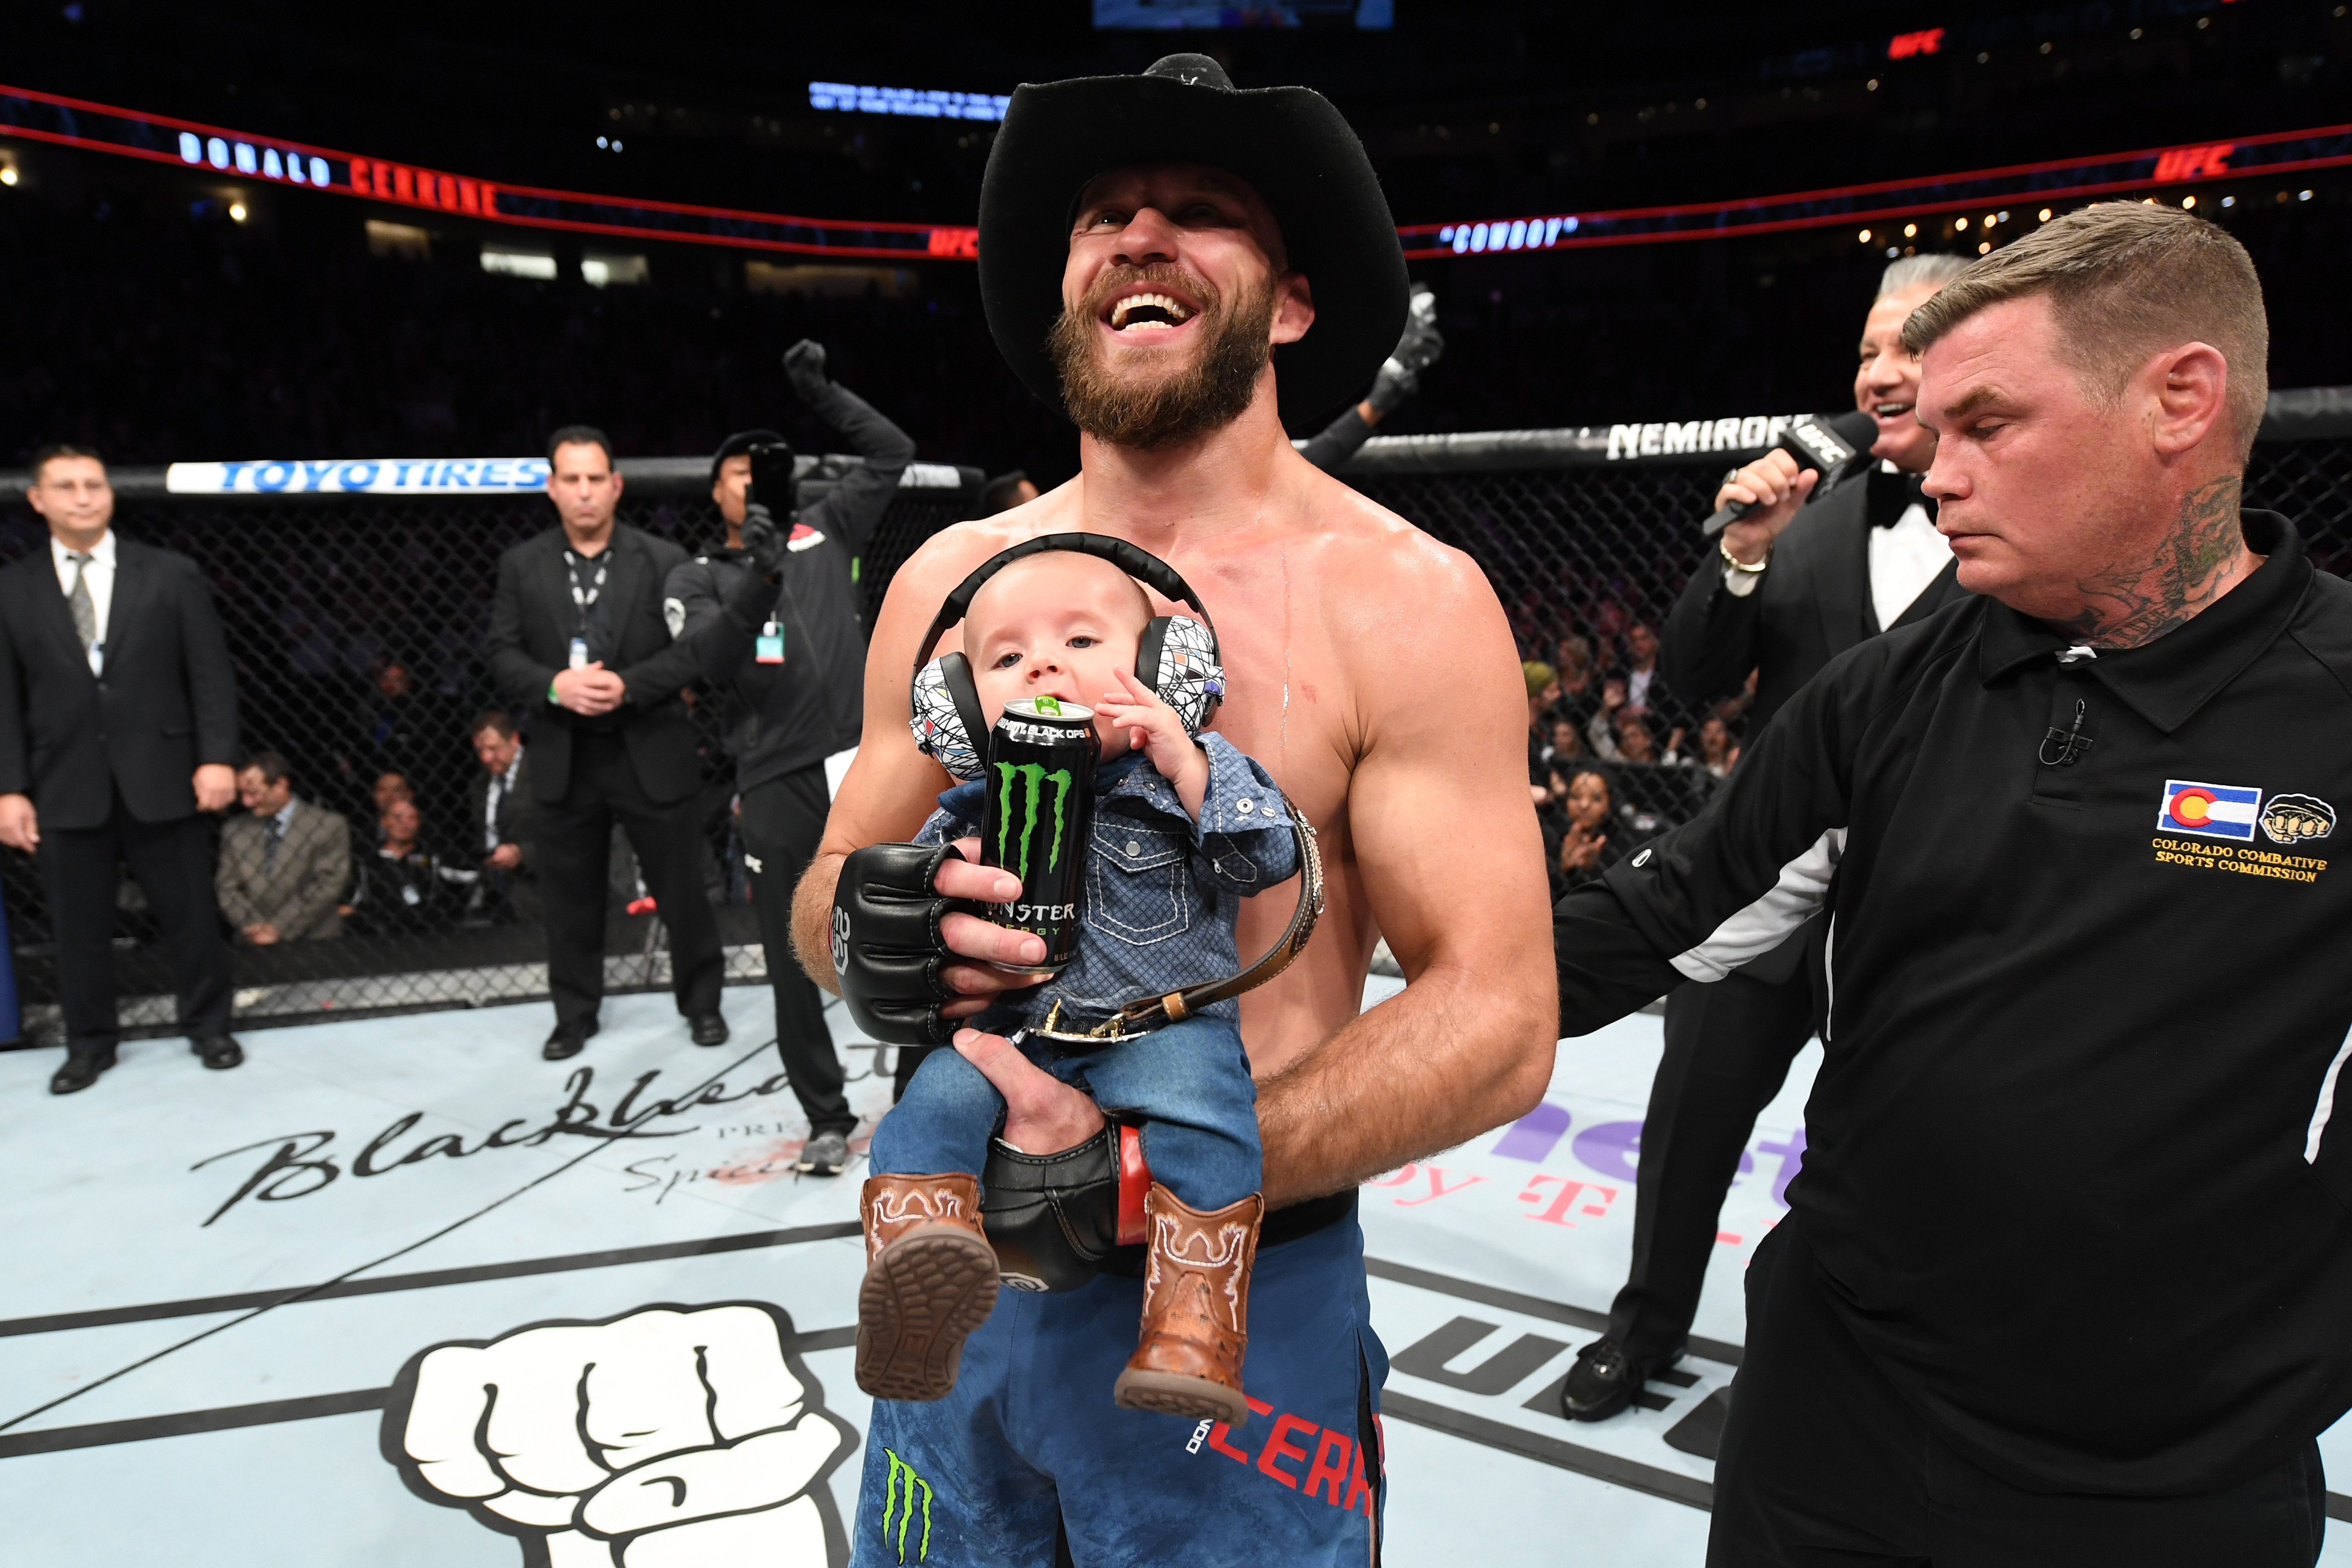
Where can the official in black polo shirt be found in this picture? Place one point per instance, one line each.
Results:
(2067, 1277)
(578, 640)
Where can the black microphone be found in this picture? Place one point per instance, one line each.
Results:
(1819, 441)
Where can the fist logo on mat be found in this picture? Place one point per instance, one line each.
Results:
(666, 1437)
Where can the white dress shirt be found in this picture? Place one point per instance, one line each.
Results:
(274, 837)
(501, 785)
(1904, 559)
(98, 573)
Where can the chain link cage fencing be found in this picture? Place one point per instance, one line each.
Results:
(1589, 536)
(356, 624)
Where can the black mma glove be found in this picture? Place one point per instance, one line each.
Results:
(887, 946)
(1052, 1218)
(804, 368)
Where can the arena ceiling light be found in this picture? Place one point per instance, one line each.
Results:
(38, 116)
(536, 265)
(1885, 201)
(47, 117)
(602, 271)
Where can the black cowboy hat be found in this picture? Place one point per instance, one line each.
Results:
(1287, 141)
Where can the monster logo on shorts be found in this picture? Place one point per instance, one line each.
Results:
(1034, 778)
(900, 1504)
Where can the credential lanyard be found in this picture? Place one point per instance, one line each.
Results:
(583, 599)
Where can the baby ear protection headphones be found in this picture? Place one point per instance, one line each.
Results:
(1177, 658)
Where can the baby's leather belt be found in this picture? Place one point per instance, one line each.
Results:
(1072, 1030)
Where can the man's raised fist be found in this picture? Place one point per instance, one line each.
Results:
(666, 1438)
(804, 368)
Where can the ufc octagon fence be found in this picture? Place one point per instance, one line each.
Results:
(356, 623)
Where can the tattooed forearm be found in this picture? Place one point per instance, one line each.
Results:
(2132, 602)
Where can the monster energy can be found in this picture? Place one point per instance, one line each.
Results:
(1039, 817)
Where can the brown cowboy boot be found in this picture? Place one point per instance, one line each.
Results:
(1195, 1310)
(930, 1281)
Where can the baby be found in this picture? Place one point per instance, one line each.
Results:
(1181, 829)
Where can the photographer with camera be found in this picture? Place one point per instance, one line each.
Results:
(796, 684)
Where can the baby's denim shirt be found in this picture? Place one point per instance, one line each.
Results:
(1157, 912)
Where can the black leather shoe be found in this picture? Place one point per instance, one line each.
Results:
(81, 1071)
(707, 1028)
(568, 1041)
(220, 1052)
(1605, 1381)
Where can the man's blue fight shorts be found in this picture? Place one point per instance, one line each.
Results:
(1030, 1445)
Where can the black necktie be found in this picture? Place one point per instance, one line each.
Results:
(270, 844)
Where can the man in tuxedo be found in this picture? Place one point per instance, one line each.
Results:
(118, 723)
(286, 864)
(577, 637)
(1791, 587)
(501, 819)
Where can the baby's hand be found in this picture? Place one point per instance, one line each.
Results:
(1154, 729)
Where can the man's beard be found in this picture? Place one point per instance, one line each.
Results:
(1135, 409)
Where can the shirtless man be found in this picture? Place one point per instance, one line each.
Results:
(1370, 668)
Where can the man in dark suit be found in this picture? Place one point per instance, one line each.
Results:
(117, 725)
(1793, 586)
(285, 865)
(499, 821)
(577, 637)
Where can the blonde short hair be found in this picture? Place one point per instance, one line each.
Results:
(2127, 279)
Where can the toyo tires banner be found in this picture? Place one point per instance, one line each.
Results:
(363, 476)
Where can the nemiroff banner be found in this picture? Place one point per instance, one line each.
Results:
(363, 476)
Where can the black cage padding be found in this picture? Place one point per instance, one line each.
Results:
(317, 594)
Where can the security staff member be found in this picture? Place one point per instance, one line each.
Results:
(118, 725)
(577, 639)
(2068, 1269)
(1790, 590)
(797, 681)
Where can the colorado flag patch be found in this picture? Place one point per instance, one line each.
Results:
(2209, 810)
